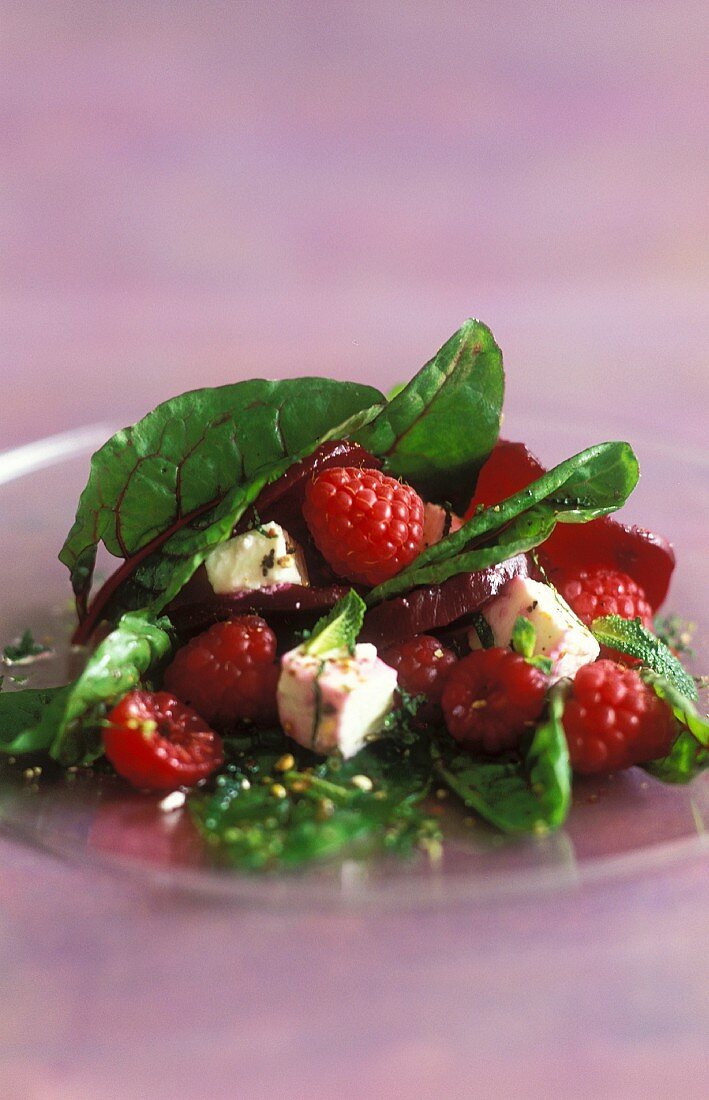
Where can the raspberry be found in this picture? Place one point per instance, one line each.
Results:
(596, 592)
(613, 720)
(422, 665)
(491, 697)
(367, 526)
(229, 673)
(157, 743)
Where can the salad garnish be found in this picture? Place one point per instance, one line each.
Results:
(333, 611)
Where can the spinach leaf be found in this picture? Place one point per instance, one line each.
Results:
(22, 729)
(437, 431)
(66, 721)
(590, 484)
(631, 637)
(192, 450)
(518, 795)
(685, 760)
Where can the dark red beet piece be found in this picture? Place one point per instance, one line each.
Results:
(432, 607)
(278, 601)
(648, 558)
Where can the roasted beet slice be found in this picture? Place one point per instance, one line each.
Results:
(433, 607)
(276, 603)
(648, 558)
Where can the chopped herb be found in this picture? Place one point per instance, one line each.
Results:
(24, 650)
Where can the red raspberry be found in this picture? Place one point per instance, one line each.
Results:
(491, 698)
(157, 743)
(229, 673)
(422, 666)
(613, 720)
(596, 592)
(367, 526)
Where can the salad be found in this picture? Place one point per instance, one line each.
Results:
(332, 610)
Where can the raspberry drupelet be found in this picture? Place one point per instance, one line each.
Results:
(422, 665)
(229, 673)
(592, 593)
(367, 526)
(613, 720)
(491, 698)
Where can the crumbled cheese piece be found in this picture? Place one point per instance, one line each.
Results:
(258, 558)
(338, 702)
(561, 635)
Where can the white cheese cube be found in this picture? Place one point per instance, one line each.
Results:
(336, 702)
(258, 558)
(561, 635)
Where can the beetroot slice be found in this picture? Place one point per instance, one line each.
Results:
(435, 606)
(291, 601)
(646, 557)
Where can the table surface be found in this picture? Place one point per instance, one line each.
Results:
(200, 193)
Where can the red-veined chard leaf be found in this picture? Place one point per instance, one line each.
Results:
(190, 453)
(437, 431)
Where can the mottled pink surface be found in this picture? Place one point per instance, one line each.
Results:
(195, 193)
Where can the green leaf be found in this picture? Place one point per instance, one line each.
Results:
(437, 431)
(631, 637)
(590, 484)
(193, 450)
(66, 721)
(135, 647)
(683, 763)
(524, 637)
(320, 809)
(682, 705)
(22, 728)
(24, 650)
(527, 795)
(338, 629)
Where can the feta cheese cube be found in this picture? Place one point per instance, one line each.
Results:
(336, 702)
(258, 558)
(561, 635)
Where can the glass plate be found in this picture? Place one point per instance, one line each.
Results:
(627, 824)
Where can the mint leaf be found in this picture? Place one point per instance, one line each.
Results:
(338, 630)
(437, 431)
(524, 637)
(191, 451)
(631, 637)
(517, 795)
(24, 650)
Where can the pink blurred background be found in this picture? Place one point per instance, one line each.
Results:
(195, 193)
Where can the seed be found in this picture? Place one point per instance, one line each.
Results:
(299, 786)
(285, 762)
(278, 790)
(362, 782)
(173, 801)
(326, 808)
(441, 793)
